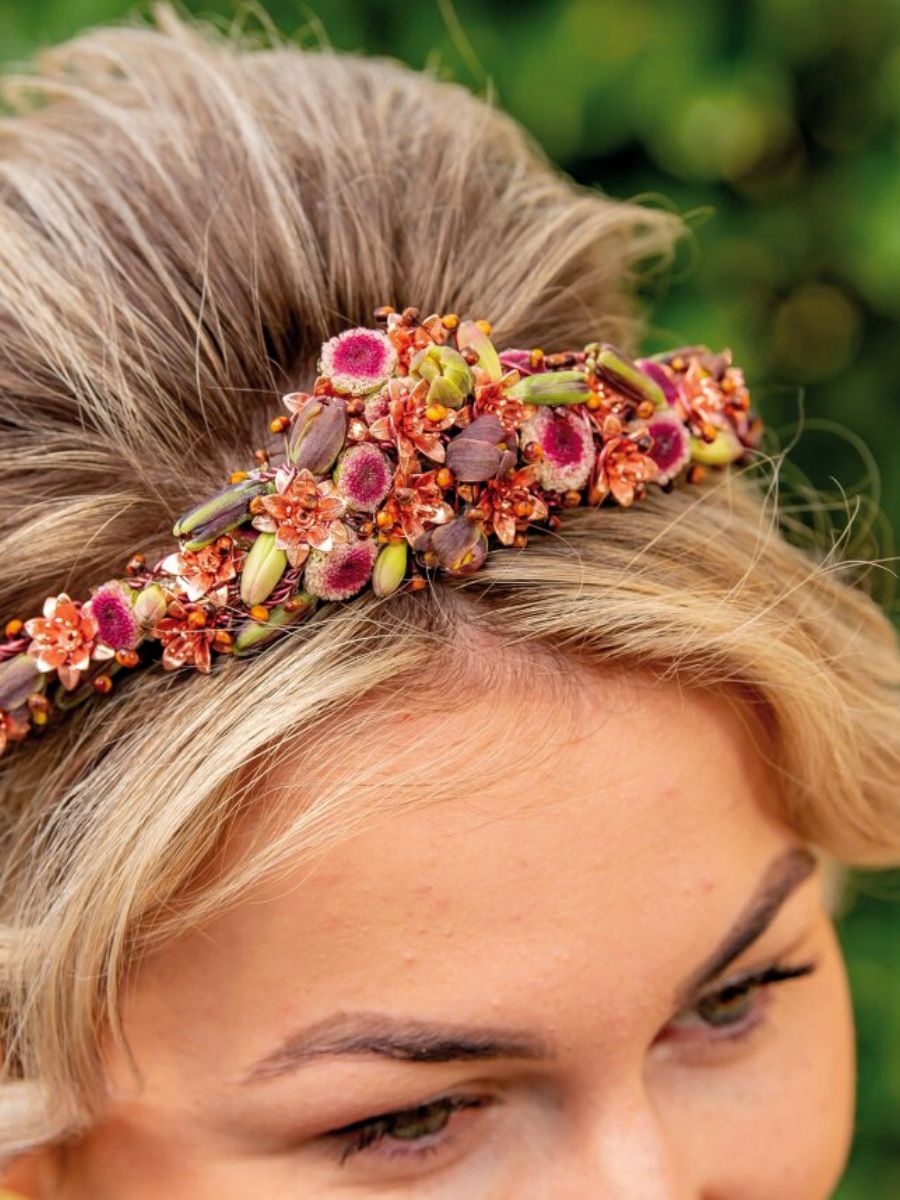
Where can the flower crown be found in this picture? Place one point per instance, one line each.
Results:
(417, 444)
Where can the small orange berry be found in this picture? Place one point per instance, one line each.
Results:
(238, 476)
(279, 424)
(135, 564)
(127, 658)
(485, 327)
(520, 541)
(593, 402)
(14, 627)
(646, 409)
(696, 473)
(536, 357)
(102, 684)
(444, 477)
(435, 412)
(571, 499)
(196, 619)
(382, 519)
(450, 321)
(416, 583)
(223, 639)
(259, 612)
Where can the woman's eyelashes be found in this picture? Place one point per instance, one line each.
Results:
(726, 1014)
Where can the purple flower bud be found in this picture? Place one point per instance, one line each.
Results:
(19, 677)
(460, 546)
(480, 451)
(317, 435)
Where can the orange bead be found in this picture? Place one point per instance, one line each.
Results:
(485, 327)
(38, 703)
(279, 425)
(259, 612)
(14, 627)
(593, 402)
(223, 639)
(383, 519)
(435, 412)
(520, 541)
(444, 477)
(450, 321)
(238, 476)
(196, 619)
(135, 564)
(416, 583)
(646, 409)
(536, 357)
(127, 658)
(102, 684)
(571, 499)
(382, 313)
(696, 473)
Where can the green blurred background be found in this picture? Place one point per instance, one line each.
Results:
(775, 126)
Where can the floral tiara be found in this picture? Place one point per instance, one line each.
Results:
(417, 444)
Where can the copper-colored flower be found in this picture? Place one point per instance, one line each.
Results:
(415, 503)
(408, 338)
(493, 398)
(207, 571)
(513, 499)
(13, 728)
(699, 396)
(411, 423)
(622, 469)
(188, 632)
(303, 514)
(64, 639)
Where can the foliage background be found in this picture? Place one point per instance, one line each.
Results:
(776, 125)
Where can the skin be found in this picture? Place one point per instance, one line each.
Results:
(547, 927)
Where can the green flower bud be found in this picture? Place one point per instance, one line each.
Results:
(470, 337)
(726, 448)
(263, 567)
(150, 605)
(254, 634)
(552, 388)
(448, 373)
(390, 568)
(627, 376)
(220, 514)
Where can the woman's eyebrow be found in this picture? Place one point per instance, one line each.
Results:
(782, 877)
(364, 1034)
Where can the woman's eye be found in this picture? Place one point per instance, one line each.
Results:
(735, 1008)
(420, 1130)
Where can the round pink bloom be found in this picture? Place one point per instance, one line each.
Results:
(671, 449)
(358, 361)
(339, 573)
(363, 476)
(111, 607)
(567, 448)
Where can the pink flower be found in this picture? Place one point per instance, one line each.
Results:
(567, 448)
(64, 639)
(358, 361)
(303, 514)
(117, 624)
(342, 572)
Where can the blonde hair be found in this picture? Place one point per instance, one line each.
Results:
(183, 220)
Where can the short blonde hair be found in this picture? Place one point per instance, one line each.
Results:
(182, 221)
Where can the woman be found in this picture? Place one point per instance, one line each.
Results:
(515, 884)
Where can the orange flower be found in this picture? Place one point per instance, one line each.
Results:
(64, 639)
(12, 729)
(621, 469)
(515, 497)
(302, 514)
(407, 424)
(414, 500)
(201, 571)
(188, 632)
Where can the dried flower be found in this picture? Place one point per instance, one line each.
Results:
(416, 502)
(567, 448)
(460, 546)
(64, 639)
(671, 449)
(341, 572)
(412, 424)
(621, 469)
(303, 514)
(358, 361)
(14, 727)
(150, 605)
(507, 502)
(188, 632)
(363, 476)
(206, 571)
(481, 450)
